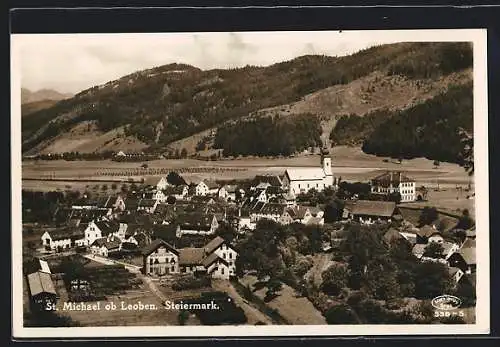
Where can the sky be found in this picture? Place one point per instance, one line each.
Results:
(70, 63)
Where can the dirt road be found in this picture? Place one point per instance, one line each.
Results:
(252, 313)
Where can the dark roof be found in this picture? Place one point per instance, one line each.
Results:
(273, 209)
(66, 233)
(147, 203)
(214, 244)
(211, 184)
(152, 180)
(199, 220)
(273, 180)
(107, 227)
(99, 242)
(212, 258)
(394, 177)
(40, 282)
(426, 231)
(191, 256)
(131, 203)
(175, 190)
(297, 212)
(153, 246)
(274, 190)
(373, 208)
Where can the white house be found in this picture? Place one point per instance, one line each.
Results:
(160, 258)
(61, 239)
(99, 229)
(178, 192)
(159, 183)
(301, 180)
(228, 192)
(105, 246)
(394, 182)
(196, 224)
(206, 188)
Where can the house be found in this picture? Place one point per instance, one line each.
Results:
(465, 259)
(456, 273)
(62, 239)
(147, 205)
(268, 211)
(394, 182)
(299, 214)
(42, 290)
(196, 224)
(448, 249)
(368, 211)
(103, 228)
(216, 258)
(228, 192)
(104, 246)
(244, 220)
(268, 181)
(160, 258)
(301, 180)
(426, 232)
(158, 183)
(178, 192)
(206, 188)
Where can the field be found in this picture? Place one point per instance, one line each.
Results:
(296, 310)
(349, 163)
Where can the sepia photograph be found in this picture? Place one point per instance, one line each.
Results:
(250, 183)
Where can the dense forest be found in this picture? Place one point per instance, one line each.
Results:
(170, 102)
(430, 129)
(269, 136)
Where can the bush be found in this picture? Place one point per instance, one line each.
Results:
(341, 314)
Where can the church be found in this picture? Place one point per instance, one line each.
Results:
(301, 180)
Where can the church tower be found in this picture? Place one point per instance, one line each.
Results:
(326, 163)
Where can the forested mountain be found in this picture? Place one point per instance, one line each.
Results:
(171, 102)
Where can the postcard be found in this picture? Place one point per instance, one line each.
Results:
(237, 184)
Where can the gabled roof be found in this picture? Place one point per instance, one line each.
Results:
(212, 258)
(469, 255)
(175, 190)
(373, 208)
(191, 256)
(394, 177)
(107, 227)
(153, 246)
(469, 243)
(152, 180)
(297, 212)
(230, 188)
(99, 242)
(211, 184)
(198, 220)
(302, 174)
(273, 209)
(453, 270)
(40, 282)
(426, 231)
(214, 244)
(273, 180)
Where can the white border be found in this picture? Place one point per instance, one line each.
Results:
(482, 326)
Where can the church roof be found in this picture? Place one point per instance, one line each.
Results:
(305, 174)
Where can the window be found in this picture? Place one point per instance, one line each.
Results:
(230, 255)
(172, 269)
(222, 271)
(224, 255)
(150, 261)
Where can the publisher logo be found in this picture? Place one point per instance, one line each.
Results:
(446, 302)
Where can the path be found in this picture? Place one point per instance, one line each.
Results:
(252, 313)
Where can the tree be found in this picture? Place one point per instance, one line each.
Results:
(436, 163)
(431, 279)
(465, 222)
(175, 179)
(334, 279)
(467, 151)
(114, 187)
(434, 250)
(273, 287)
(171, 199)
(333, 212)
(341, 314)
(184, 153)
(226, 231)
(104, 187)
(428, 216)
(395, 197)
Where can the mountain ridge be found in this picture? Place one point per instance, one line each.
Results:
(163, 105)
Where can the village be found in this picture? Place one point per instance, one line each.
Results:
(173, 239)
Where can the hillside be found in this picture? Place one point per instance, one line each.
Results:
(28, 96)
(169, 104)
(35, 106)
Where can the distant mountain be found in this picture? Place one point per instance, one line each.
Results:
(35, 106)
(167, 107)
(28, 96)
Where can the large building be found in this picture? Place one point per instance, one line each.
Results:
(394, 182)
(301, 180)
